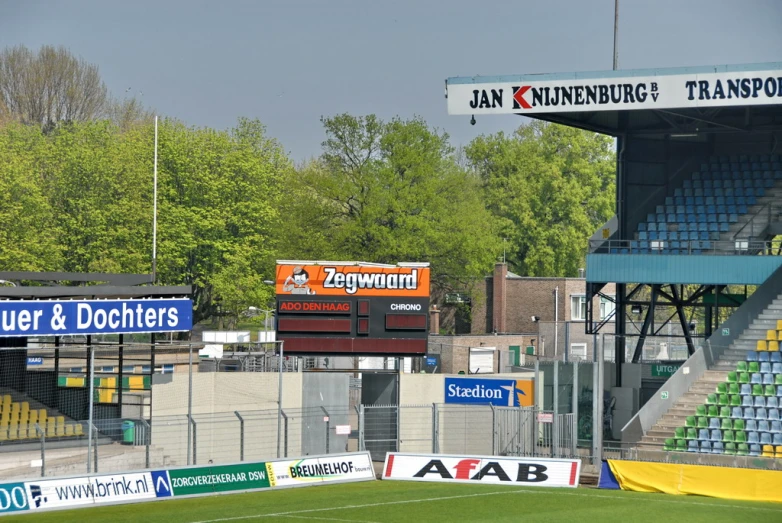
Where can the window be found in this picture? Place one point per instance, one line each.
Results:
(578, 308)
(578, 351)
(606, 307)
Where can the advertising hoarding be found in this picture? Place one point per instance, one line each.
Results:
(219, 478)
(13, 497)
(527, 95)
(347, 467)
(74, 492)
(541, 472)
(490, 391)
(73, 317)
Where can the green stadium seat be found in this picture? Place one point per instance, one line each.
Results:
(738, 424)
(711, 399)
(770, 391)
(690, 421)
(670, 445)
(733, 377)
(757, 389)
(727, 435)
(735, 401)
(692, 433)
(778, 379)
(703, 422)
(733, 388)
(723, 399)
(724, 412)
(681, 445)
(754, 366)
(742, 449)
(730, 448)
(679, 433)
(740, 436)
(744, 377)
(700, 410)
(727, 424)
(740, 367)
(722, 388)
(713, 411)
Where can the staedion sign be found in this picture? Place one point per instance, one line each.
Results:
(541, 472)
(616, 93)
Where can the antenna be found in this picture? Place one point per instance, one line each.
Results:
(154, 214)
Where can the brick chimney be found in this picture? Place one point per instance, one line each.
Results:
(434, 320)
(499, 296)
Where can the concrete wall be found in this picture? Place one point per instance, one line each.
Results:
(224, 392)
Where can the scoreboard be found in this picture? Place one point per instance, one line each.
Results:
(353, 308)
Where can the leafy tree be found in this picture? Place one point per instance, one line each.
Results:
(388, 192)
(50, 86)
(29, 233)
(551, 187)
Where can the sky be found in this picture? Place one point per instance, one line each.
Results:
(290, 62)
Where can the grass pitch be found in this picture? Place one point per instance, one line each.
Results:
(410, 502)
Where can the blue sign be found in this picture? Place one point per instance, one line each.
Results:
(34, 360)
(431, 361)
(13, 498)
(60, 318)
(162, 483)
(490, 391)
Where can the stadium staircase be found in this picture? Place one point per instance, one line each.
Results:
(710, 406)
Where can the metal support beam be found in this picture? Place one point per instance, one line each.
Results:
(648, 324)
(684, 323)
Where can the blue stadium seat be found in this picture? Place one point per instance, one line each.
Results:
(763, 356)
(754, 450)
(703, 434)
(765, 367)
(660, 218)
(756, 378)
(736, 413)
(642, 227)
(660, 209)
(716, 447)
(724, 226)
(759, 401)
(752, 355)
(718, 193)
(652, 235)
(765, 438)
(651, 226)
(761, 414)
(671, 218)
(772, 402)
(687, 192)
(700, 209)
(699, 200)
(746, 390)
(714, 226)
(689, 200)
(762, 425)
(715, 435)
(642, 235)
(776, 367)
(733, 217)
(687, 184)
(692, 445)
(679, 200)
(773, 414)
(750, 425)
(673, 235)
(753, 437)
(776, 427)
(662, 235)
(776, 357)
(749, 413)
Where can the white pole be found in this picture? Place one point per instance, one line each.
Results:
(279, 400)
(154, 214)
(91, 377)
(556, 320)
(616, 35)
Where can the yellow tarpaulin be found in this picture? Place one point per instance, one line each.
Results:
(717, 482)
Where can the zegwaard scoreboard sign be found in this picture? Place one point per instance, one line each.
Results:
(69, 317)
(577, 92)
(352, 307)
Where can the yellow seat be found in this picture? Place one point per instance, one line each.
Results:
(771, 334)
(69, 430)
(16, 410)
(761, 346)
(50, 428)
(78, 430)
(13, 431)
(60, 425)
(3, 433)
(768, 451)
(773, 346)
(779, 325)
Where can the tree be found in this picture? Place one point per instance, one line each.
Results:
(391, 192)
(551, 187)
(50, 86)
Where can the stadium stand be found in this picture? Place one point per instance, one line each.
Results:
(22, 419)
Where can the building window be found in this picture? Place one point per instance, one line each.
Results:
(578, 308)
(606, 307)
(578, 351)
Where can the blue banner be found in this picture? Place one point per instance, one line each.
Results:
(13, 497)
(490, 391)
(34, 360)
(60, 318)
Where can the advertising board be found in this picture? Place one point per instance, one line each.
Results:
(74, 492)
(541, 472)
(352, 280)
(13, 497)
(345, 467)
(490, 391)
(218, 478)
(69, 317)
(531, 94)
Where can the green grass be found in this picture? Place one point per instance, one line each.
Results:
(409, 502)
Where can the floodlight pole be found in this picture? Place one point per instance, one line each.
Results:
(154, 213)
(616, 35)
(279, 400)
